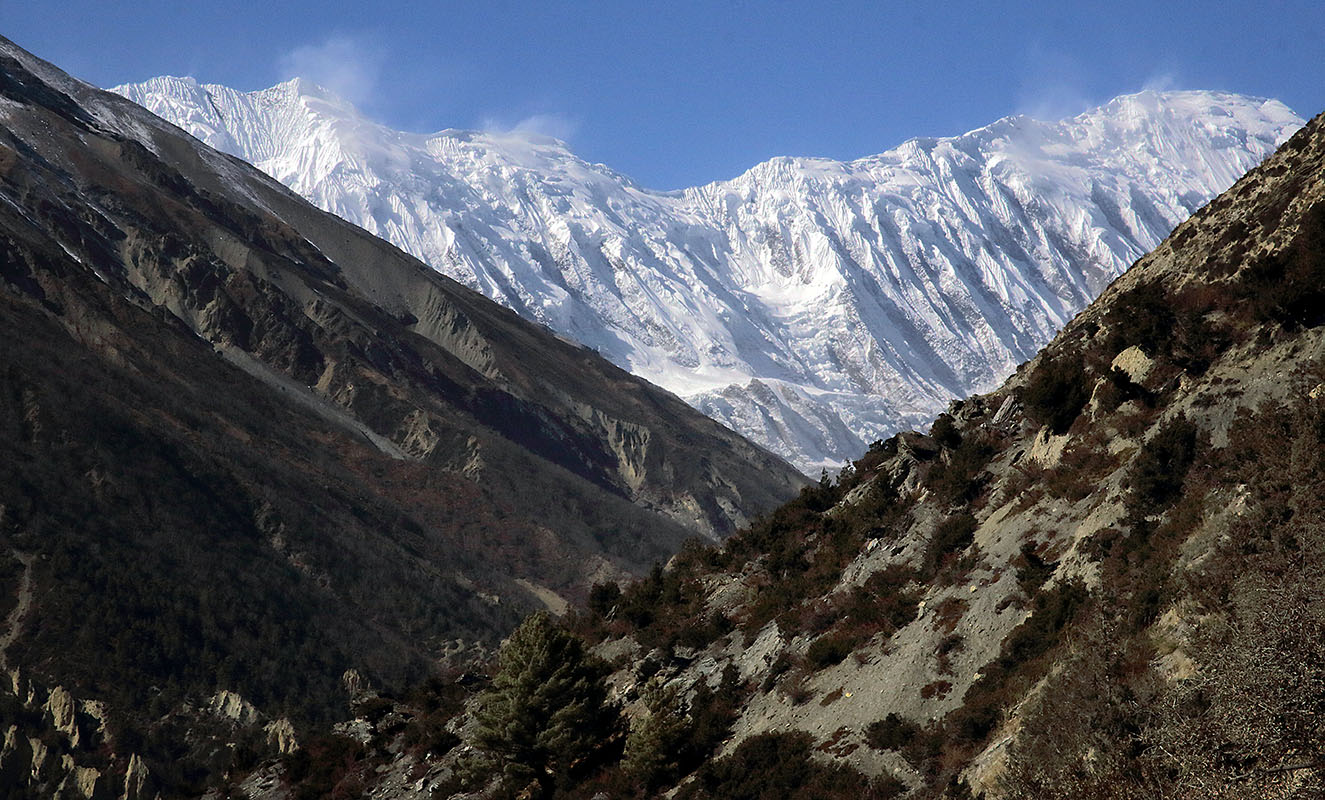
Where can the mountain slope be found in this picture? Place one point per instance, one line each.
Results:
(252, 447)
(811, 305)
(1101, 580)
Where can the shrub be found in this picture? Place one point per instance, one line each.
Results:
(891, 733)
(830, 649)
(953, 534)
(954, 479)
(1057, 391)
(945, 432)
(796, 687)
(949, 612)
(321, 765)
(777, 765)
(1159, 469)
(1033, 571)
(695, 632)
(427, 734)
(712, 714)
(1053, 610)
(781, 666)
(947, 646)
(1289, 287)
(603, 598)
(1141, 316)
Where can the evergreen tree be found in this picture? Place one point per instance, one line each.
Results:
(658, 737)
(545, 712)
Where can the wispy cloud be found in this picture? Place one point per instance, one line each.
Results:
(558, 126)
(350, 66)
(1161, 82)
(1052, 86)
(553, 124)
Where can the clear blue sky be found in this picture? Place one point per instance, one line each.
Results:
(679, 93)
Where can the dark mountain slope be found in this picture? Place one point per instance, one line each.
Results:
(253, 447)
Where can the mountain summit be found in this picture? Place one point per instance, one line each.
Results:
(812, 305)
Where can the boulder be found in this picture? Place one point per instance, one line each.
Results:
(1135, 363)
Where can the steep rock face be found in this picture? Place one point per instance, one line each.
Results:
(245, 446)
(812, 305)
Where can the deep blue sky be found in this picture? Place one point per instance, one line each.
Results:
(680, 93)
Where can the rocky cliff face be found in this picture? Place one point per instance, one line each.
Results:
(246, 446)
(812, 305)
(1101, 580)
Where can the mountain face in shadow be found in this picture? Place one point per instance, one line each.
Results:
(245, 445)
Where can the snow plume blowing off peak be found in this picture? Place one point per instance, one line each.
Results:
(811, 305)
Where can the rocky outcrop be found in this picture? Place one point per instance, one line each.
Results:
(86, 781)
(1134, 363)
(356, 685)
(281, 736)
(61, 711)
(136, 780)
(230, 706)
(60, 747)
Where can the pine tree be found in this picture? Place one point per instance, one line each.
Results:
(546, 710)
(658, 737)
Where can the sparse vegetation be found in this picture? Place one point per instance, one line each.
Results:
(780, 765)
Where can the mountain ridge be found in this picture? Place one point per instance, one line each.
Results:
(813, 305)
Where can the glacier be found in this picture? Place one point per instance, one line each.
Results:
(812, 305)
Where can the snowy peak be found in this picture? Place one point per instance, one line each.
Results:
(813, 305)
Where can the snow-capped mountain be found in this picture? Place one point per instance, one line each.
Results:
(811, 305)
